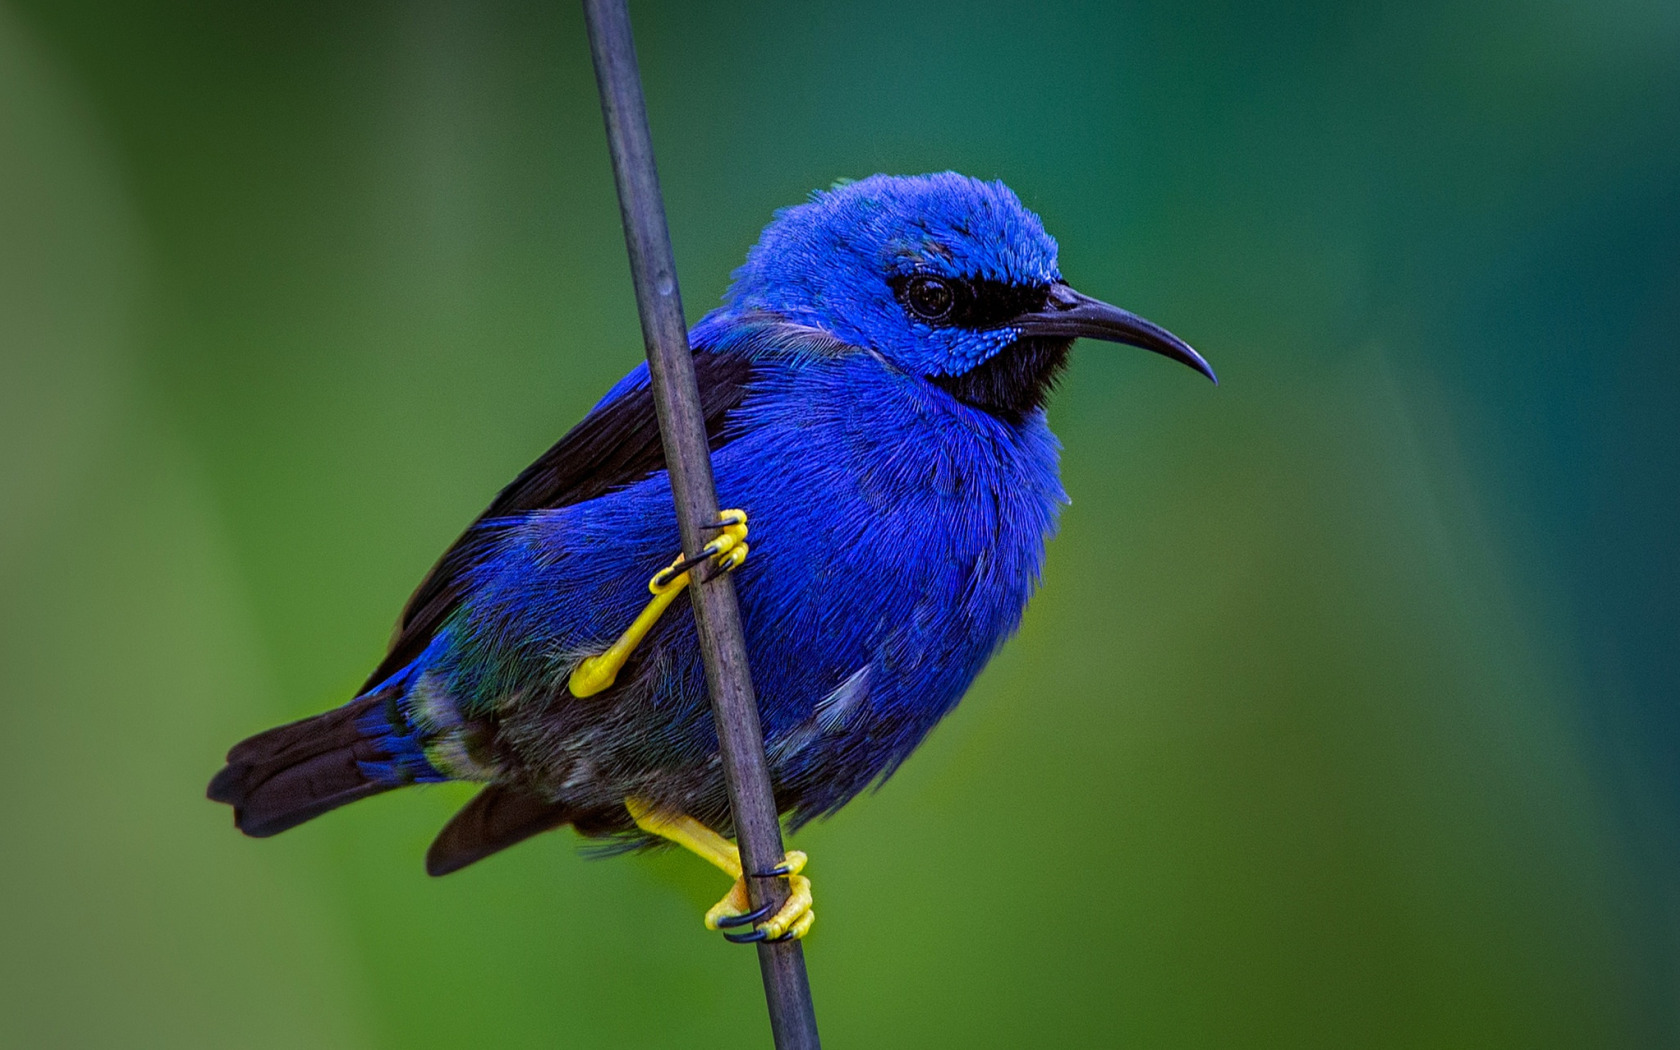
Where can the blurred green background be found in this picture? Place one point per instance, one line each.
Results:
(1347, 716)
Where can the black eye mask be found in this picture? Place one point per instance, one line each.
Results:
(971, 302)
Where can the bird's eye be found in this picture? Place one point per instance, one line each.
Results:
(930, 298)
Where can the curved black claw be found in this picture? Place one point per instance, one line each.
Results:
(747, 919)
(788, 936)
(775, 873)
(750, 937)
(671, 572)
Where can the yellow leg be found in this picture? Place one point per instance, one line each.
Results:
(794, 919)
(728, 551)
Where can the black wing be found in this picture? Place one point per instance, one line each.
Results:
(615, 445)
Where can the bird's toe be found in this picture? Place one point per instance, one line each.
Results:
(794, 919)
(790, 922)
(733, 910)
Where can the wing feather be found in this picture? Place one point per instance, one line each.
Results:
(617, 444)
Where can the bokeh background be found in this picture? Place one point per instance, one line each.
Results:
(1347, 716)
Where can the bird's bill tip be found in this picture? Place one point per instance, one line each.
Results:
(1073, 315)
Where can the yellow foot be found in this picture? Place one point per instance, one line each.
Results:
(791, 923)
(727, 552)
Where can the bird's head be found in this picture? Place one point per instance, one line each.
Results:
(945, 276)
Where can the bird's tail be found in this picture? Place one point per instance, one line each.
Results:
(378, 741)
(497, 817)
(293, 773)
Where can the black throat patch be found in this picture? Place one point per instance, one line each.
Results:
(1013, 382)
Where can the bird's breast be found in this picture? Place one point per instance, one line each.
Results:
(896, 538)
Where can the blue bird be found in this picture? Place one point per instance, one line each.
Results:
(873, 388)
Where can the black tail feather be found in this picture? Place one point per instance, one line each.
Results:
(496, 818)
(279, 779)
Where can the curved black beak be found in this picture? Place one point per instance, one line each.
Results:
(1071, 315)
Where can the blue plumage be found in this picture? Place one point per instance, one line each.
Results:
(874, 385)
